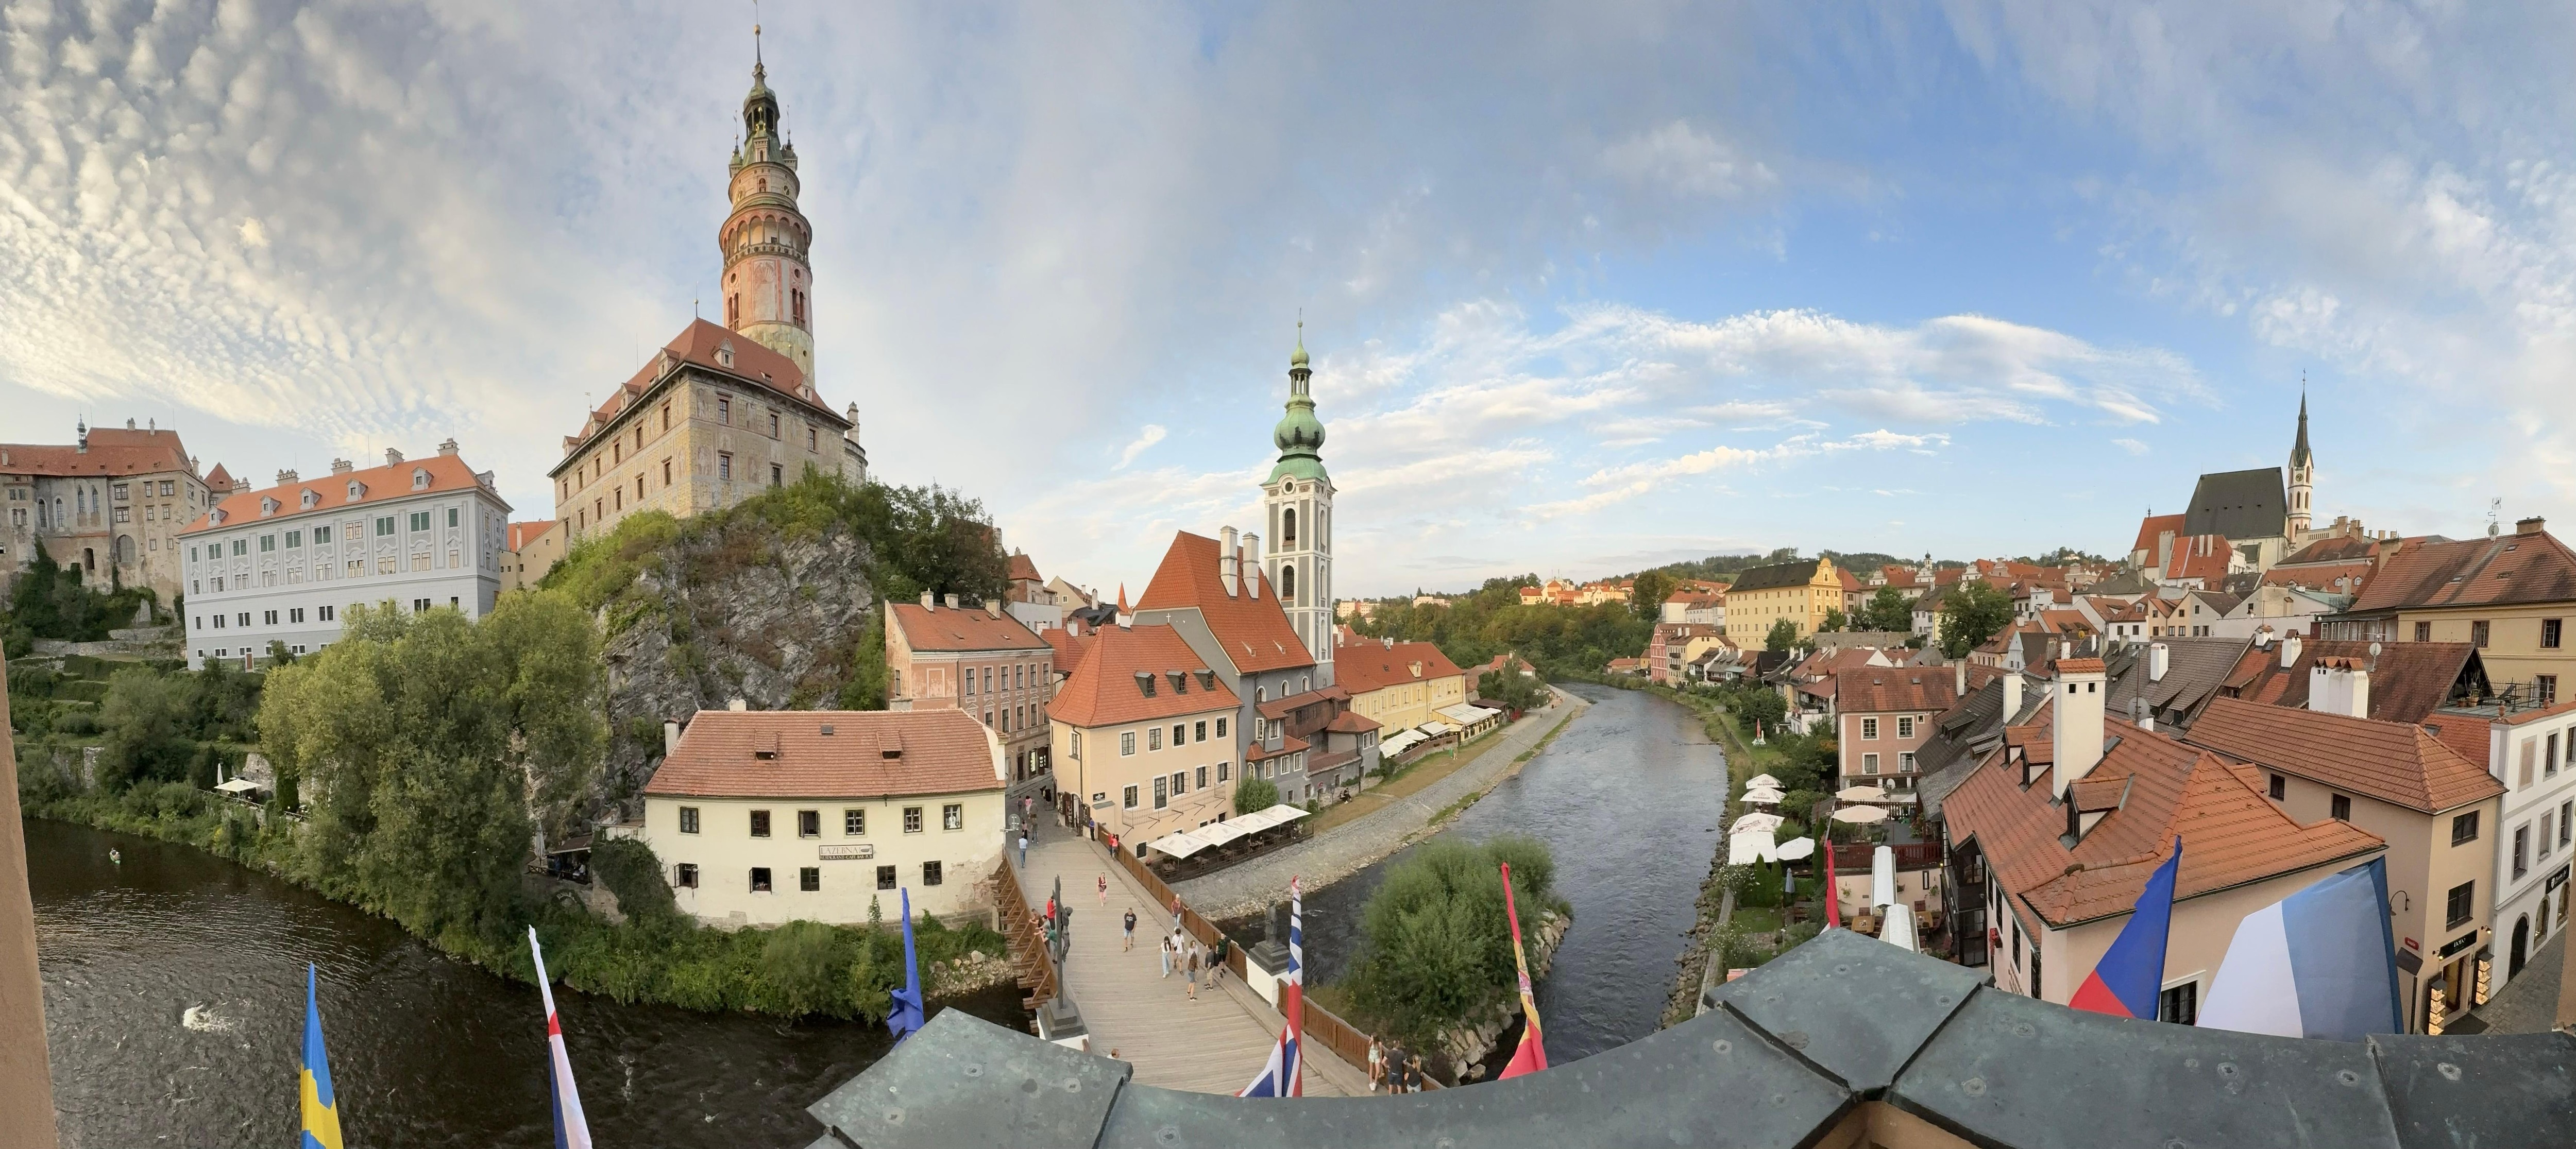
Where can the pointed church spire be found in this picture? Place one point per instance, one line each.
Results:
(2299, 450)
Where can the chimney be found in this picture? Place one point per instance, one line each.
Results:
(448, 449)
(952, 602)
(737, 704)
(285, 477)
(1252, 560)
(1229, 561)
(340, 466)
(2339, 686)
(2140, 716)
(392, 456)
(993, 607)
(670, 737)
(929, 601)
(1959, 679)
(2289, 650)
(2159, 658)
(2529, 526)
(2263, 637)
(2012, 694)
(2076, 728)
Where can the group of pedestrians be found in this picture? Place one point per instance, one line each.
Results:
(1392, 1067)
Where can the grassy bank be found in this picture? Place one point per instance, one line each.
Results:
(657, 956)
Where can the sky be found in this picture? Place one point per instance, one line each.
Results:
(1588, 287)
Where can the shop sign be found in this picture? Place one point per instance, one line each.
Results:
(836, 853)
(2462, 942)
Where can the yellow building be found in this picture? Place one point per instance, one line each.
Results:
(534, 549)
(1141, 739)
(1800, 592)
(2507, 595)
(1400, 685)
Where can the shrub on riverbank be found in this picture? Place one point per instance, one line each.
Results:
(1435, 946)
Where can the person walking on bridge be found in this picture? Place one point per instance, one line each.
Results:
(1104, 889)
(1131, 932)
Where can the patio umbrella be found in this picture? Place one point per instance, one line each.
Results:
(1861, 794)
(1763, 824)
(1762, 780)
(1860, 815)
(1796, 848)
(1764, 795)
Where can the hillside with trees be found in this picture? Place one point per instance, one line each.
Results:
(1475, 627)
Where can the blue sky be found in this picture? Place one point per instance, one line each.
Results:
(1589, 287)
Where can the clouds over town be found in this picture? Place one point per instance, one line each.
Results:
(1584, 287)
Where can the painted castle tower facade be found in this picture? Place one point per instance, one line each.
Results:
(768, 283)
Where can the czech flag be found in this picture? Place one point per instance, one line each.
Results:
(313, 1077)
(572, 1129)
(1282, 1075)
(2132, 972)
(2319, 963)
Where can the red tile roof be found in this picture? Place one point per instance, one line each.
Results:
(1352, 722)
(1885, 688)
(2338, 578)
(521, 534)
(753, 364)
(1249, 624)
(376, 485)
(868, 753)
(1373, 666)
(1283, 707)
(2339, 549)
(1023, 569)
(2153, 526)
(962, 628)
(2408, 680)
(2515, 568)
(219, 480)
(2398, 762)
(112, 451)
(1070, 648)
(1104, 690)
(2202, 557)
(2231, 834)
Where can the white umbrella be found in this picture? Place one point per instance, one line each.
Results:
(1746, 849)
(1764, 795)
(1763, 780)
(1763, 824)
(1796, 848)
(1861, 794)
(1860, 815)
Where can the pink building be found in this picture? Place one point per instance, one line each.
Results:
(1883, 716)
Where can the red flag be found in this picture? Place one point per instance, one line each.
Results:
(1531, 1056)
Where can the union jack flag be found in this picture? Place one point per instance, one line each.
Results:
(1283, 1075)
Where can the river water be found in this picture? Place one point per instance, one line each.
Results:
(1628, 799)
(174, 1003)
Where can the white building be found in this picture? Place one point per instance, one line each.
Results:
(284, 563)
(771, 816)
(2534, 754)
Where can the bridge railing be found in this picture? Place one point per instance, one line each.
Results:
(1029, 953)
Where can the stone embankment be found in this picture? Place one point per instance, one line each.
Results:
(1470, 1044)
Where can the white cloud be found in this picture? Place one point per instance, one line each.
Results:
(1152, 434)
(1682, 160)
(2132, 446)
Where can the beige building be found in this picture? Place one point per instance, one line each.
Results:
(1800, 592)
(1399, 685)
(2507, 595)
(723, 412)
(111, 503)
(534, 548)
(983, 661)
(2438, 812)
(771, 816)
(1142, 738)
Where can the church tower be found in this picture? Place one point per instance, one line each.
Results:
(768, 286)
(2303, 478)
(1298, 502)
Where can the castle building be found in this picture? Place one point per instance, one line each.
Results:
(110, 504)
(722, 412)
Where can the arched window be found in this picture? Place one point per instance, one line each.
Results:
(1288, 582)
(1288, 529)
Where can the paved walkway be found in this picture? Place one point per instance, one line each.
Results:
(2527, 1004)
(1213, 1045)
(1336, 854)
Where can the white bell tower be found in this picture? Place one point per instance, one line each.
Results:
(1297, 502)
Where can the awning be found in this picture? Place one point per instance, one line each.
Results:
(1764, 795)
(1399, 742)
(1284, 812)
(1180, 845)
(1220, 833)
(1467, 714)
(237, 786)
(1746, 849)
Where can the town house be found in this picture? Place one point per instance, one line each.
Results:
(1219, 600)
(1144, 732)
(2510, 596)
(983, 661)
(2532, 753)
(1883, 716)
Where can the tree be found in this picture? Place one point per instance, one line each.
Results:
(1834, 620)
(1511, 689)
(1649, 592)
(1970, 614)
(146, 718)
(1434, 941)
(1887, 610)
(1251, 794)
(1784, 634)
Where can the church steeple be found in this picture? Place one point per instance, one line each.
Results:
(2303, 475)
(768, 283)
(1297, 504)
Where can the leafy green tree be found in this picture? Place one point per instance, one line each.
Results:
(1648, 595)
(1970, 614)
(1435, 944)
(1252, 794)
(146, 719)
(1511, 689)
(1887, 610)
(866, 688)
(1783, 635)
(1834, 621)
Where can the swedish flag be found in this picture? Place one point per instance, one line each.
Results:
(313, 1078)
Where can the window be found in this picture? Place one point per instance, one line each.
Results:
(2478, 634)
(2423, 632)
(760, 879)
(1869, 763)
(724, 465)
(243, 618)
(2549, 764)
(854, 823)
(724, 409)
(1202, 778)
(2341, 808)
(326, 613)
(1179, 734)
(1220, 728)
(885, 877)
(809, 823)
(1869, 729)
(268, 618)
(321, 534)
(2566, 820)
(2521, 850)
(1905, 727)
(952, 816)
(2180, 1005)
(1127, 798)
(912, 819)
(295, 614)
(666, 472)
(2457, 907)
(1127, 745)
(242, 546)
(1180, 782)
(2280, 787)
(2549, 632)
(451, 516)
(688, 819)
(2548, 684)
(760, 823)
(930, 873)
(809, 879)
(2544, 833)
(1162, 791)
(685, 876)
(419, 604)
(267, 544)
(1154, 738)
(1220, 772)
(777, 475)
(2464, 828)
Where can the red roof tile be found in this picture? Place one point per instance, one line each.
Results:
(1374, 666)
(112, 451)
(1070, 648)
(1885, 688)
(753, 364)
(2152, 526)
(521, 534)
(2515, 568)
(2408, 680)
(1023, 569)
(331, 492)
(868, 753)
(1104, 690)
(962, 628)
(1249, 624)
(2396, 762)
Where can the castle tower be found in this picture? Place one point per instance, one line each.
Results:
(768, 285)
(1297, 500)
(2303, 478)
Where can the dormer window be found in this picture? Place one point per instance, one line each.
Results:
(217, 517)
(724, 354)
(310, 498)
(267, 507)
(419, 479)
(357, 490)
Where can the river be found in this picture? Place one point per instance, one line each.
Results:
(1628, 798)
(174, 1003)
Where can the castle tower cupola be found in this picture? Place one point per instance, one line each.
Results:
(1297, 501)
(768, 280)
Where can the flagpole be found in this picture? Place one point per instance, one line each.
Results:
(572, 1126)
(1532, 1054)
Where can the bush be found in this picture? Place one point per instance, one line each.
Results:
(805, 969)
(630, 870)
(1435, 944)
(1252, 794)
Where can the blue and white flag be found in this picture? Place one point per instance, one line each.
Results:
(2319, 963)
(1282, 1075)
